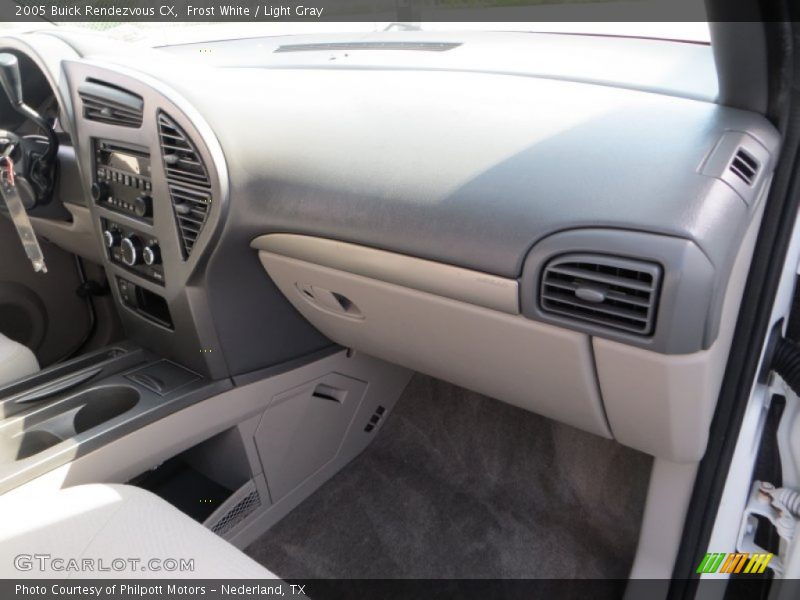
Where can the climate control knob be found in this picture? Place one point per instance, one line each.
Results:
(151, 254)
(131, 248)
(111, 238)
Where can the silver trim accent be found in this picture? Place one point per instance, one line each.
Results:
(109, 238)
(127, 243)
(148, 256)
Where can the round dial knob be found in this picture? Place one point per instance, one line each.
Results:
(131, 247)
(111, 238)
(151, 254)
(142, 205)
(100, 191)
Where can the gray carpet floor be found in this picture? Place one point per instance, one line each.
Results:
(457, 485)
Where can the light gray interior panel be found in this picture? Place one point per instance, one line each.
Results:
(540, 367)
(303, 429)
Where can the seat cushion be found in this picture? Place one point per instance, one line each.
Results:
(112, 526)
(16, 360)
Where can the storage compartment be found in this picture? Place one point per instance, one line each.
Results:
(542, 368)
(303, 429)
(144, 302)
(185, 487)
(162, 377)
(203, 479)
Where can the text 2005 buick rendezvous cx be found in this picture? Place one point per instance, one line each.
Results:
(425, 303)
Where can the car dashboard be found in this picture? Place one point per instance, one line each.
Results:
(566, 241)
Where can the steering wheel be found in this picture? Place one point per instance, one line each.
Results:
(31, 172)
(34, 156)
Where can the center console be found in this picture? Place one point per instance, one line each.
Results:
(51, 417)
(158, 187)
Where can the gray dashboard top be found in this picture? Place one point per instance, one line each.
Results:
(676, 69)
(470, 169)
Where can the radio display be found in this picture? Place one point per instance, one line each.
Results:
(128, 160)
(137, 165)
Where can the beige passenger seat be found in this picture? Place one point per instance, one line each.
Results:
(111, 531)
(16, 360)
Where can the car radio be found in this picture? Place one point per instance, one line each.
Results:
(122, 179)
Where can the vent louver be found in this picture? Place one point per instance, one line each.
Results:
(744, 166)
(187, 180)
(110, 104)
(612, 292)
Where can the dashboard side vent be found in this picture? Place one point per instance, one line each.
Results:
(744, 166)
(611, 292)
(109, 104)
(187, 180)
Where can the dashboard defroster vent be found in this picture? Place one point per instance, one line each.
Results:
(611, 292)
(187, 179)
(744, 166)
(109, 104)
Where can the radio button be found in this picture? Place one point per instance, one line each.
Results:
(100, 191)
(142, 205)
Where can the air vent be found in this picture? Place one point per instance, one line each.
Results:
(109, 104)
(187, 179)
(744, 166)
(612, 292)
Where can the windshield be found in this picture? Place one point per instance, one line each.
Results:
(156, 34)
(556, 16)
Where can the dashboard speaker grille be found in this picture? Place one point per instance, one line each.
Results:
(109, 104)
(187, 179)
(611, 292)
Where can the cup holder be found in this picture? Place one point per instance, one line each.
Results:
(27, 437)
(103, 404)
(26, 444)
